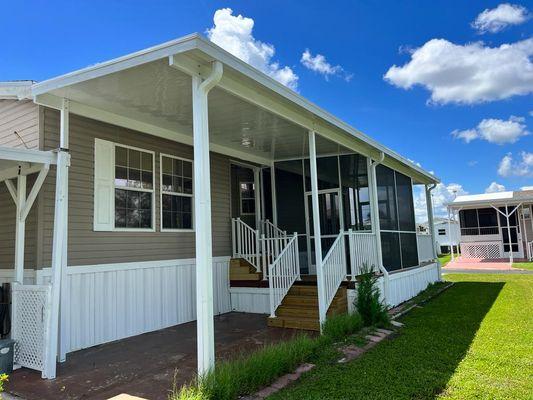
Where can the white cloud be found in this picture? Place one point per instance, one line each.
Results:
(473, 163)
(499, 18)
(510, 167)
(318, 63)
(526, 188)
(441, 195)
(495, 131)
(235, 35)
(495, 187)
(467, 74)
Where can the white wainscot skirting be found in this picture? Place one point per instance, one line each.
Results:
(250, 300)
(403, 285)
(407, 284)
(115, 301)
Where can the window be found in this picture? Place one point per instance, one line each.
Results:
(176, 193)
(247, 194)
(482, 221)
(134, 188)
(396, 219)
(442, 232)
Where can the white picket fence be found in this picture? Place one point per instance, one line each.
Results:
(425, 247)
(333, 270)
(282, 273)
(363, 251)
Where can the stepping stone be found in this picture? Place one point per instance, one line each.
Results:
(396, 324)
(264, 393)
(373, 338)
(384, 331)
(304, 368)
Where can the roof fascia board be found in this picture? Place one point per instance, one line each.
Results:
(83, 110)
(471, 205)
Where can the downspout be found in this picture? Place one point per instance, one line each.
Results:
(376, 226)
(429, 206)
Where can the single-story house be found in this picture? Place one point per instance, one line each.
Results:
(495, 226)
(178, 182)
(446, 233)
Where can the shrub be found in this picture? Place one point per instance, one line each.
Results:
(368, 304)
(339, 326)
(247, 374)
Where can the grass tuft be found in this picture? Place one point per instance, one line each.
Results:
(338, 327)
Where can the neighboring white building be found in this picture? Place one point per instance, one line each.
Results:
(441, 231)
(495, 225)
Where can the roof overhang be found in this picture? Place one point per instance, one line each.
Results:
(16, 90)
(493, 199)
(270, 121)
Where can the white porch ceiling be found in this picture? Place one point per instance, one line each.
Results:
(159, 95)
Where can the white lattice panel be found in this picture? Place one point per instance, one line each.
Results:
(482, 250)
(31, 308)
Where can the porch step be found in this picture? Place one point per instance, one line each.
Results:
(299, 309)
(242, 270)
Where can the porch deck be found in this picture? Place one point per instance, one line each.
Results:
(144, 365)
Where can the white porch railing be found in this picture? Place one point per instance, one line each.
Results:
(270, 230)
(530, 251)
(363, 251)
(271, 248)
(425, 247)
(246, 242)
(283, 272)
(333, 270)
(482, 250)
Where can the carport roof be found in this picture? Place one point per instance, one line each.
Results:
(251, 113)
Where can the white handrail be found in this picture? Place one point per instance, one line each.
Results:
(271, 248)
(270, 230)
(425, 247)
(334, 270)
(283, 272)
(246, 242)
(363, 252)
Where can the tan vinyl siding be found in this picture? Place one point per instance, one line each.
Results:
(20, 116)
(88, 247)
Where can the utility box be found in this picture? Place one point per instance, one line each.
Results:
(7, 349)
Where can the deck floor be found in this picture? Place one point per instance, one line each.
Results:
(144, 365)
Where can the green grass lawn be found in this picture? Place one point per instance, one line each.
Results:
(524, 265)
(474, 341)
(444, 259)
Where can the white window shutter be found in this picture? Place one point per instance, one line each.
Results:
(104, 175)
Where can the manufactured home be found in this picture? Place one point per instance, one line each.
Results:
(178, 182)
(495, 226)
(445, 232)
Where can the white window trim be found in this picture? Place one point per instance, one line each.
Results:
(246, 198)
(162, 192)
(153, 191)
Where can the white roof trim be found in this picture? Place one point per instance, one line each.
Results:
(500, 198)
(197, 42)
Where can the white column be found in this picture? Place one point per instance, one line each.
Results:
(273, 191)
(450, 234)
(316, 230)
(20, 228)
(202, 210)
(257, 197)
(431, 225)
(509, 235)
(58, 261)
(64, 320)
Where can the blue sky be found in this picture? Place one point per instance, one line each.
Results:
(364, 39)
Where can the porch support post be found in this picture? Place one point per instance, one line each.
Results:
(509, 236)
(58, 261)
(273, 191)
(257, 198)
(376, 229)
(450, 232)
(431, 224)
(316, 230)
(64, 321)
(20, 228)
(202, 207)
